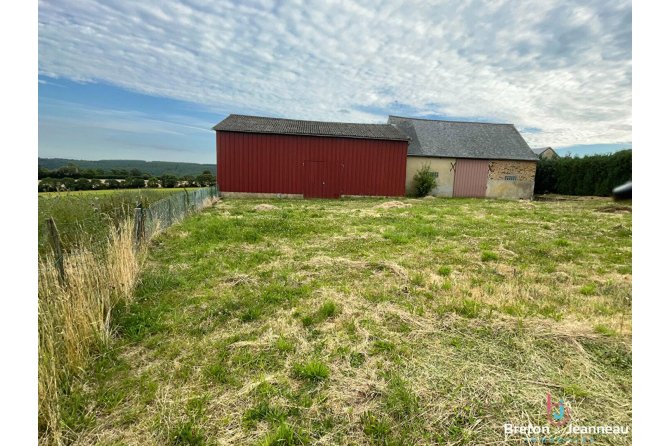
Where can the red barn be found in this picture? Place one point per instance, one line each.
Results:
(257, 156)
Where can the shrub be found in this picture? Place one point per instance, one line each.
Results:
(588, 175)
(423, 181)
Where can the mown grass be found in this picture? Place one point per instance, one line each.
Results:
(340, 322)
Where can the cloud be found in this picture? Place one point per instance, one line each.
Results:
(561, 67)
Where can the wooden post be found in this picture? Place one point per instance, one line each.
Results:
(54, 239)
(185, 204)
(187, 198)
(138, 229)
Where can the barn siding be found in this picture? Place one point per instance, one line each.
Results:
(268, 163)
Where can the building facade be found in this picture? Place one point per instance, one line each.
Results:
(469, 159)
(284, 158)
(545, 153)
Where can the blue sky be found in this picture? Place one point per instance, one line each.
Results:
(147, 80)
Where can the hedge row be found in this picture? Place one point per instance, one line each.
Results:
(590, 175)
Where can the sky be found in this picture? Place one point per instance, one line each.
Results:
(147, 80)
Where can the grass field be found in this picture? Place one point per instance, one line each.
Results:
(357, 322)
(84, 217)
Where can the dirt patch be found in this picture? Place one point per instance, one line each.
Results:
(266, 207)
(614, 209)
(393, 205)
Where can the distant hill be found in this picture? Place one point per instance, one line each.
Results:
(155, 168)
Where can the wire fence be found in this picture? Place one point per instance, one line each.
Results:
(164, 213)
(155, 218)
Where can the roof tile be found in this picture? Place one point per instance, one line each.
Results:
(456, 139)
(258, 124)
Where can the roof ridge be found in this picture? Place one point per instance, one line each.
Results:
(306, 120)
(449, 120)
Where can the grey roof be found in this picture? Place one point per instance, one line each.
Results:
(541, 150)
(456, 139)
(258, 124)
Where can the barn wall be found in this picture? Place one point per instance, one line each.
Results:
(263, 163)
(522, 187)
(444, 169)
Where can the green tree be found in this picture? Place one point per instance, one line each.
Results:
(153, 182)
(66, 184)
(42, 172)
(189, 181)
(69, 171)
(205, 179)
(113, 184)
(424, 182)
(47, 185)
(87, 173)
(133, 183)
(169, 181)
(82, 184)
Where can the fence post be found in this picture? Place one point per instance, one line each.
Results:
(185, 202)
(54, 239)
(169, 211)
(138, 229)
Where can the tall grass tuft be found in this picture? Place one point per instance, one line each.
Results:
(74, 318)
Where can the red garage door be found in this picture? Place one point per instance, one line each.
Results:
(470, 178)
(322, 179)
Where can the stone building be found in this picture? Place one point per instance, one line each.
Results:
(469, 159)
(545, 152)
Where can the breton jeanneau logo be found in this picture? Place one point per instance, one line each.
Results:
(560, 416)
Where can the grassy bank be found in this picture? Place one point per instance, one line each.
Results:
(362, 322)
(75, 312)
(85, 218)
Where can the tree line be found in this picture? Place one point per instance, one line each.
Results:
(589, 175)
(71, 178)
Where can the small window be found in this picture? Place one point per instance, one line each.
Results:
(510, 177)
(433, 174)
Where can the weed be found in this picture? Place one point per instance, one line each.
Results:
(561, 242)
(375, 427)
(283, 345)
(487, 256)
(418, 279)
(444, 271)
(326, 310)
(286, 435)
(264, 411)
(604, 330)
(399, 400)
(383, 346)
(251, 314)
(395, 237)
(589, 289)
(312, 371)
(356, 359)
